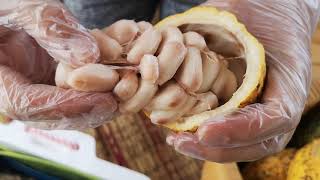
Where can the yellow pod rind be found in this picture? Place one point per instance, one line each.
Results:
(254, 55)
(306, 163)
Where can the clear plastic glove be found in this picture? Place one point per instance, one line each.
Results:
(285, 29)
(34, 36)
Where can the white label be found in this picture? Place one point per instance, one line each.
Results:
(70, 148)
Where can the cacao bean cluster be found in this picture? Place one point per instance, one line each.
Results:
(168, 73)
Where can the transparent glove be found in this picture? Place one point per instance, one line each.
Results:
(34, 36)
(285, 29)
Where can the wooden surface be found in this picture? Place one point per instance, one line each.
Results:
(314, 96)
(215, 171)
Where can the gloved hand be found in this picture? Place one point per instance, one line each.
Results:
(34, 36)
(285, 29)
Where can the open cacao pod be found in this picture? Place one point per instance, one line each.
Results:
(186, 69)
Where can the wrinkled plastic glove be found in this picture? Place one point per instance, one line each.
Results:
(285, 29)
(34, 36)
